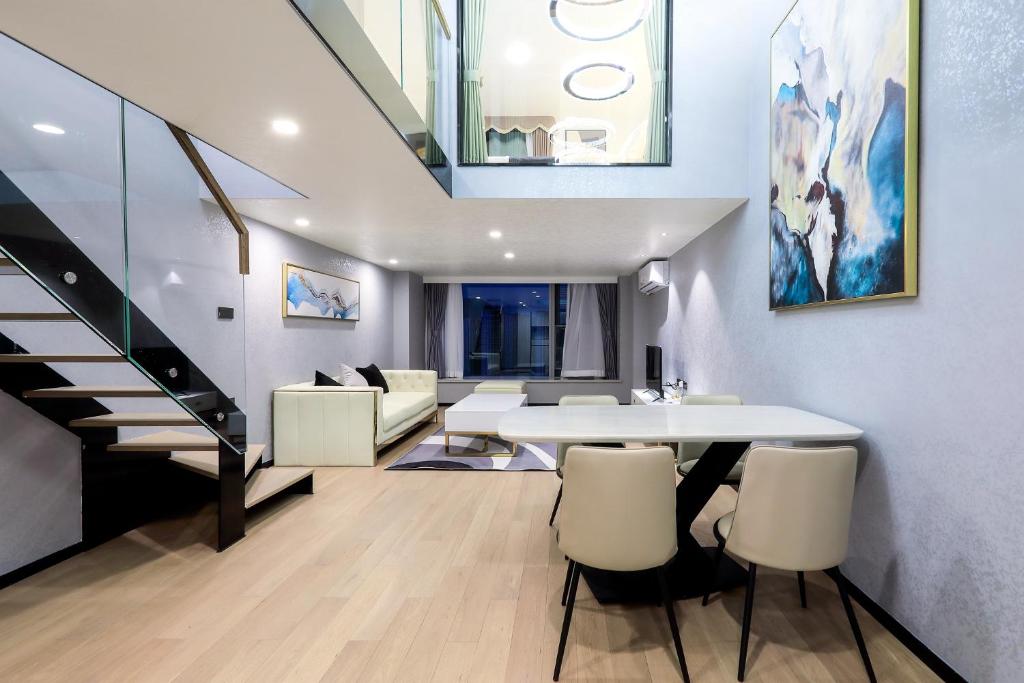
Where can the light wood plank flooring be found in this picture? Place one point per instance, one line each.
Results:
(399, 576)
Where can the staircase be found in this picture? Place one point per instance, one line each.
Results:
(116, 270)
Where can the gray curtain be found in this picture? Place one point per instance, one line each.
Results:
(608, 306)
(474, 140)
(435, 300)
(432, 155)
(657, 123)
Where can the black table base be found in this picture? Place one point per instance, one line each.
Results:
(692, 571)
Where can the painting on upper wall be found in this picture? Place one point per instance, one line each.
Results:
(844, 152)
(313, 294)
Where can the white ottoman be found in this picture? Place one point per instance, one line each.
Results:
(500, 386)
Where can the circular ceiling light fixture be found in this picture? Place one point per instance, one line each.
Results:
(624, 82)
(612, 32)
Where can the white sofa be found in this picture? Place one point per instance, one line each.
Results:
(332, 426)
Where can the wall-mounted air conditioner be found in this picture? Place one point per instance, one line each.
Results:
(653, 277)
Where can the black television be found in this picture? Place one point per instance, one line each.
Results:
(654, 380)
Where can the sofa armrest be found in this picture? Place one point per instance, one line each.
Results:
(411, 380)
(315, 426)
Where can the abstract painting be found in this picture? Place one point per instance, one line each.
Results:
(312, 294)
(843, 160)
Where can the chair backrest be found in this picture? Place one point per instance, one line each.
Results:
(618, 507)
(692, 451)
(794, 506)
(597, 400)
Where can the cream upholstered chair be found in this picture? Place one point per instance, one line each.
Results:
(793, 513)
(600, 400)
(619, 515)
(689, 453)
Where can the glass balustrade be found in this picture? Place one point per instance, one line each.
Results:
(398, 52)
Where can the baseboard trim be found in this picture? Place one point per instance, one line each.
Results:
(11, 578)
(909, 640)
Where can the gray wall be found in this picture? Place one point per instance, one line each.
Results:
(40, 486)
(407, 309)
(549, 391)
(282, 351)
(933, 381)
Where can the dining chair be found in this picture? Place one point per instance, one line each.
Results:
(598, 400)
(792, 513)
(689, 453)
(619, 515)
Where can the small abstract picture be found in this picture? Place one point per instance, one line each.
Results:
(312, 294)
(843, 147)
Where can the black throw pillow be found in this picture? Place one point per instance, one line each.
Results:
(374, 377)
(323, 380)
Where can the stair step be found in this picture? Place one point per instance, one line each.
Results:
(59, 358)
(96, 392)
(137, 420)
(268, 481)
(207, 463)
(38, 317)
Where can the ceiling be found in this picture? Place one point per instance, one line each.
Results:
(223, 70)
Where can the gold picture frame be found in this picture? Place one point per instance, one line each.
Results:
(910, 226)
(310, 293)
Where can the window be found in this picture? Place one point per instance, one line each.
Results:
(565, 82)
(507, 330)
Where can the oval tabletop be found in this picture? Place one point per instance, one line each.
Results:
(577, 424)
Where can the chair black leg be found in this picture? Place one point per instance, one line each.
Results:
(748, 609)
(714, 572)
(568, 578)
(803, 589)
(573, 583)
(836, 576)
(670, 610)
(554, 510)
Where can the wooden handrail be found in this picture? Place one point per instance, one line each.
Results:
(218, 194)
(443, 19)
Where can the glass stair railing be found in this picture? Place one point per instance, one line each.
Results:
(112, 213)
(397, 52)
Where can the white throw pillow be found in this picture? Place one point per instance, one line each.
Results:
(351, 378)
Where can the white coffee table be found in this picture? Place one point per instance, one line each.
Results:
(479, 415)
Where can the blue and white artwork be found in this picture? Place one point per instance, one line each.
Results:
(312, 294)
(843, 116)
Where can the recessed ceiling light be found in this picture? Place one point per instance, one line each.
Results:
(664, 234)
(518, 53)
(393, 261)
(495, 234)
(285, 126)
(302, 222)
(48, 128)
(476, 297)
(509, 255)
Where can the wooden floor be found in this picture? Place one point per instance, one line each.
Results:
(399, 576)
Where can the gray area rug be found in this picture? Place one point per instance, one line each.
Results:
(466, 455)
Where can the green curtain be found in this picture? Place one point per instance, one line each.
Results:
(474, 142)
(432, 155)
(510, 144)
(655, 31)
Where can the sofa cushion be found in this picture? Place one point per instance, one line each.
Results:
(374, 377)
(323, 380)
(351, 378)
(399, 406)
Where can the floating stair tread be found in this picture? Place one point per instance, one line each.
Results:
(269, 481)
(96, 392)
(59, 358)
(138, 420)
(207, 463)
(166, 441)
(38, 317)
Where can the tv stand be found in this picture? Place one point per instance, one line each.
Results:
(647, 397)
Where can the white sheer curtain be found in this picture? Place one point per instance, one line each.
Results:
(583, 351)
(454, 340)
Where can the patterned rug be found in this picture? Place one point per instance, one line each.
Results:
(466, 455)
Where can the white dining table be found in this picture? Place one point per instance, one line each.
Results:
(728, 429)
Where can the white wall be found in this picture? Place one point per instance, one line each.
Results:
(282, 351)
(934, 381)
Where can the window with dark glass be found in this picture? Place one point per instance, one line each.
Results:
(564, 82)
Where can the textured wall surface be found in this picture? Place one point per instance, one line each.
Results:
(40, 486)
(282, 351)
(933, 381)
